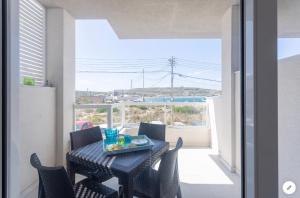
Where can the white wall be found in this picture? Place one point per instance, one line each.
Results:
(289, 120)
(230, 64)
(61, 73)
(216, 122)
(37, 130)
(193, 136)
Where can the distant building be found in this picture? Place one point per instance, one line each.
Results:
(90, 99)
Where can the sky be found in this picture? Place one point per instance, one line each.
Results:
(105, 63)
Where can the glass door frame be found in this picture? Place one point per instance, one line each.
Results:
(259, 99)
(259, 95)
(10, 96)
(2, 147)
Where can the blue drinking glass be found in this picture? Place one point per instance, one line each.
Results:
(111, 135)
(127, 139)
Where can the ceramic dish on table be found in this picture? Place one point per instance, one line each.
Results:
(140, 141)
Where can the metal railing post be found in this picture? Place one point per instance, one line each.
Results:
(172, 115)
(74, 117)
(123, 115)
(165, 113)
(207, 120)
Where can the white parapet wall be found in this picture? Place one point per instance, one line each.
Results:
(230, 64)
(216, 122)
(37, 131)
(227, 146)
(193, 136)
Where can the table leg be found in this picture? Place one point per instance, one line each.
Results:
(127, 187)
(71, 172)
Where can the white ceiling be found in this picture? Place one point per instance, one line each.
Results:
(168, 18)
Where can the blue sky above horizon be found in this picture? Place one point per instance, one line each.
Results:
(98, 48)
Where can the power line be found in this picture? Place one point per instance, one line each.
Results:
(134, 64)
(199, 67)
(117, 62)
(138, 66)
(121, 59)
(161, 79)
(200, 62)
(114, 69)
(99, 60)
(189, 81)
(121, 65)
(194, 77)
(121, 72)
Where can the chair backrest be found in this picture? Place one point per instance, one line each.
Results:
(168, 172)
(153, 131)
(84, 137)
(36, 163)
(54, 180)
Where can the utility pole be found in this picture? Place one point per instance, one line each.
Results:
(172, 64)
(131, 84)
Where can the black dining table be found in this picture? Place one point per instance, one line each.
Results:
(123, 166)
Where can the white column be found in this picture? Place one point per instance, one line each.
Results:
(61, 73)
(230, 64)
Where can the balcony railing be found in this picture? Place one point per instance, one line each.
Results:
(130, 114)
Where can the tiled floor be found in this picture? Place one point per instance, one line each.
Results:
(201, 175)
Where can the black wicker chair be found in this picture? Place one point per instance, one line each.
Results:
(163, 183)
(36, 163)
(153, 131)
(82, 138)
(55, 183)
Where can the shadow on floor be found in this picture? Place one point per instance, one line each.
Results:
(207, 177)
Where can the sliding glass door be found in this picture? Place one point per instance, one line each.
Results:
(245, 145)
(260, 99)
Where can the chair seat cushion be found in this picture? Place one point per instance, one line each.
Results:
(88, 188)
(146, 183)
